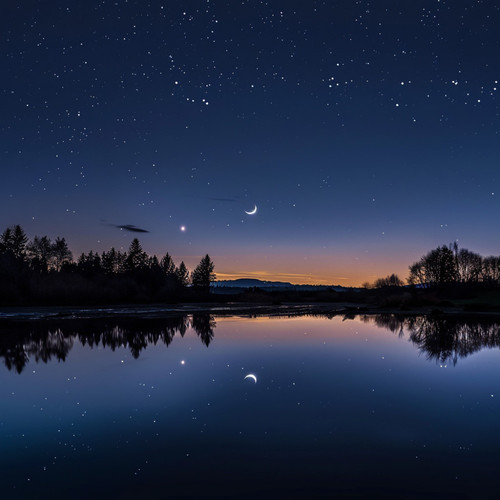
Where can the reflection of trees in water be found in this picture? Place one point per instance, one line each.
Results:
(15, 356)
(135, 335)
(21, 342)
(203, 325)
(393, 323)
(53, 345)
(442, 338)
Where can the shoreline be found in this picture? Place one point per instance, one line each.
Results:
(158, 311)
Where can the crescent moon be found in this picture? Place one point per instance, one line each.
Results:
(252, 376)
(254, 211)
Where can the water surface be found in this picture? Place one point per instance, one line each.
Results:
(160, 407)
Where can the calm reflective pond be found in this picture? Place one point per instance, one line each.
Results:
(159, 408)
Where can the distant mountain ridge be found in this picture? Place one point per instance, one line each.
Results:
(249, 282)
(242, 283)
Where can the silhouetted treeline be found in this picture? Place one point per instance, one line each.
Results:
(44, 341)
(451, 265)
(42, 271)
(445, 266)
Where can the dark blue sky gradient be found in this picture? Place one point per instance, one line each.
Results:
(365, 132)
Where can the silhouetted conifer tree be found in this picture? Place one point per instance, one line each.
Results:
(113, 262)
(167, 265)
(136, 257)
(89, 264)
(14, 240)
(153, 264)
(182, 274)
(203, 274)
(19, 242)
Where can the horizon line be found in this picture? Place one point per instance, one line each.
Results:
(278, 278)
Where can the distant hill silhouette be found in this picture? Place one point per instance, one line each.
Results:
(244, 283)
(249, 282)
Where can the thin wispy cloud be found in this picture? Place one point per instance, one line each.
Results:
(126, 227)
(132, 228)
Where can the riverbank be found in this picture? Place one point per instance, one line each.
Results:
(158, 311)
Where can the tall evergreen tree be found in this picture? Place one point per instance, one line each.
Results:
(19, 242)
(167, 265)
(203, 274)
(113, 262)
(89, 264)
(153, 264)
(137, 258)
(6, 241)
(14, 240)
(182, 274)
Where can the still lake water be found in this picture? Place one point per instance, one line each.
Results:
(160, 408)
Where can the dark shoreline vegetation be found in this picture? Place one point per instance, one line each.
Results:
(42, 272)
(443, 339)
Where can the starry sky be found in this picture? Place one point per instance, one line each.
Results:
(365, 132)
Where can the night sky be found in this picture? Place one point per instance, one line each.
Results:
(366, 133)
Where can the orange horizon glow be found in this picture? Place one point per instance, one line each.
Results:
(329, 270)
(347, 269)
(304, 279)
(350, 267)
(354, 276)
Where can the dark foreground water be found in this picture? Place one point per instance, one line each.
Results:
(375, 407)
